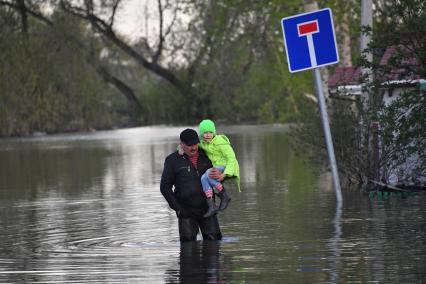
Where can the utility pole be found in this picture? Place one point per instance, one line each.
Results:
(373, 143)
(366, 21)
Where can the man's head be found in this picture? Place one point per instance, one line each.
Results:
(189, 141)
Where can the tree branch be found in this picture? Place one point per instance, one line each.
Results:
(160, 34)
(120, 85)
(28, 11)
(114, 12)
(102, 27)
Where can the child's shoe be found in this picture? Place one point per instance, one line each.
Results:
(224, 199)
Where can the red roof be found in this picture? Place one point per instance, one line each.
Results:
(407, 62)
(390, 52)
(345, 76)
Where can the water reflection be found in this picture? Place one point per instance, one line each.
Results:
(87, 208)
(335, 245)
(199, 262)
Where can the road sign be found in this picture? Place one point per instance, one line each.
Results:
(309, 40)
(310, 43)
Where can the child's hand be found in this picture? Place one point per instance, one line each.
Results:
(180, 150)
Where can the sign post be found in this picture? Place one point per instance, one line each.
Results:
(310, 43)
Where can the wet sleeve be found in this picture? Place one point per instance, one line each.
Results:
(166, 186)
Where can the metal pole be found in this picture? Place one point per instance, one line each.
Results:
(366, 21)
(327, 134)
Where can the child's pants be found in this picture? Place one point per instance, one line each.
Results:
(210, 183)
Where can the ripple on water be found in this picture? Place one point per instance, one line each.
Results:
(87, 209)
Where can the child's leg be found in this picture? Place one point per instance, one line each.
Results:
(209, 183)
(221, 192)
(207, 188)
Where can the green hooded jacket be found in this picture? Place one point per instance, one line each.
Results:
(220, 153)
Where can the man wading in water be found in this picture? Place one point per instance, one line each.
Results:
(183, 172)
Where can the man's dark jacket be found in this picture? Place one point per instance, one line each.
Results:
(188, 193)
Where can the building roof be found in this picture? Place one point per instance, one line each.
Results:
(399, 73)
(344, 76)
(392, 50)
(351, 76)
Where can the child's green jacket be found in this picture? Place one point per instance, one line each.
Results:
(220, 153)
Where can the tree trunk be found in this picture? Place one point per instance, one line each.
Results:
(24, 18)
(343, 30)
(121, 86)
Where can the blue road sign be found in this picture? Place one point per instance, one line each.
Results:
(309, 40)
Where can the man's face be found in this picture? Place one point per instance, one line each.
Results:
(189, 150)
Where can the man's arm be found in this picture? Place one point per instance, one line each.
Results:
(166, 186)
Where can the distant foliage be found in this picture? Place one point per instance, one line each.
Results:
(46, 85)
(67, 68)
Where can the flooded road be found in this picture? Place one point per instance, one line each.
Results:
(86, 208)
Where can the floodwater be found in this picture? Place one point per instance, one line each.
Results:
(86, 208)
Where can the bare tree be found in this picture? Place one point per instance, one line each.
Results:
(105, 26)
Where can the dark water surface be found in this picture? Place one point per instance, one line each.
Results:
(87, 208)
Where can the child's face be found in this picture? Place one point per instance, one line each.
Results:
(208, 136)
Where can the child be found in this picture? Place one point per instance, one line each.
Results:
(219, 150)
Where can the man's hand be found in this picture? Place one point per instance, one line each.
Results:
(216, 174)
